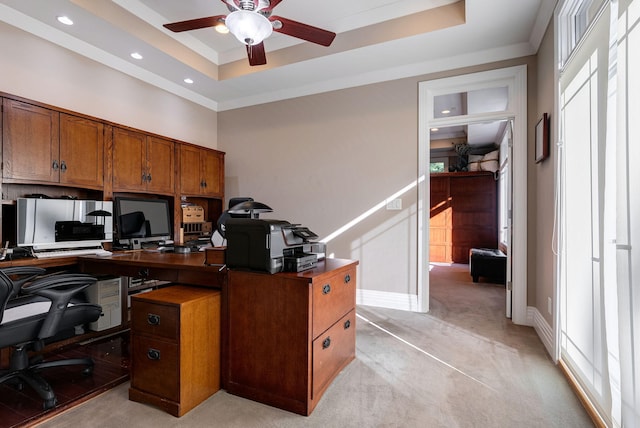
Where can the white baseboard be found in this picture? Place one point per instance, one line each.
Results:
(544, 330)
(386, 299)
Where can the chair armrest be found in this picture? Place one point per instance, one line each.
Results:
(59, 289)
(20, 275)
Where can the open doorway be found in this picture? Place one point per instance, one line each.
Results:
(477, 93)
(470, 203)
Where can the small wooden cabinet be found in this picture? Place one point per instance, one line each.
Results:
(175, 347)
(290, 334)
(202, 171)
(142, 163)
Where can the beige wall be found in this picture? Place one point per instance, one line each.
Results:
(541, 185)
(42, 71)
(324, 160)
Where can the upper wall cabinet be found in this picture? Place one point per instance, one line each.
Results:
(42, 145)
(201, 171)
(81, 152)
(30, 142)
(142, 163)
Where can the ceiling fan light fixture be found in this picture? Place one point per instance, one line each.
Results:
(249, 27)
(222, 29)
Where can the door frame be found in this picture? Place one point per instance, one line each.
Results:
(515, 79)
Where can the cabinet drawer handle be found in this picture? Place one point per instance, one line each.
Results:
(347, 324)
(63, 166)
(326, 343)
(153, 319)
(326, 289)
(153, 354)
(143, 273)
(149, 178)
(55, 165)
(347, 278)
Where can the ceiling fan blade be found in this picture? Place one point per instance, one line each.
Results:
(273, 4)
(194, 24)
(303, 31)
(256, 54)
(231, 4)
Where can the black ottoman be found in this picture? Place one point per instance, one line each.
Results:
(489, 263)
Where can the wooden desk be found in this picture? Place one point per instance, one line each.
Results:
(285, 336)
(181, 268)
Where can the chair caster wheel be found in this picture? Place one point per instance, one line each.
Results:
(49, 404)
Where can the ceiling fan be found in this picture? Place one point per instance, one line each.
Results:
(251, 22)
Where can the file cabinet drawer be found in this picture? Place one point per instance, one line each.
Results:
(332, 298)
(156, 365)
(332, 351)
(153, 319)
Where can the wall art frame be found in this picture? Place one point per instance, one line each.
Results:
(542, 138)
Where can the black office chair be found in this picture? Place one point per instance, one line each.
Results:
(33, 310)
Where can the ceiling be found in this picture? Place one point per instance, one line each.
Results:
(377, 40)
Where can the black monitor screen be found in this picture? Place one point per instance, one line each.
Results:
(145, 220)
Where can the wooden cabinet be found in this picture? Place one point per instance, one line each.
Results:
(43, 145)
(201, 171)
(30, 142)
(290, 334)
(463, 215)
(81, 152)
(142, 163)
(175, 347)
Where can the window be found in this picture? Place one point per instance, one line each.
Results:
(598, 245)
(575, 18)
(438, 165)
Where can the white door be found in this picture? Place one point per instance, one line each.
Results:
(505, 211)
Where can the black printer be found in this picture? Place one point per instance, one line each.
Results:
(269, 245)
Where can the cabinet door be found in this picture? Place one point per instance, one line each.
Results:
(190, 177)
(160, 165)
(81, 151)
(212, 165)
(129, 160)
(30, 140)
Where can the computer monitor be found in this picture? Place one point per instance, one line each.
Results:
(39, 223)
(141, 220)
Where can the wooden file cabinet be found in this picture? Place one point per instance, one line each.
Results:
(175, 347)
(290, 334)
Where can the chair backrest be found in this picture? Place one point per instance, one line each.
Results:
(6, 291)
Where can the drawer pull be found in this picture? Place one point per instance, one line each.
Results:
(153, 354)
(347, 324)
(153, 319)
(326, 289)
(326, 343)
(347, 278)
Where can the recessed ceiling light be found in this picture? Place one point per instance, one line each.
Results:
(435, 129)
(65, 20)
(222, 29)
(446, 111)
(136, 55)
(189, 81)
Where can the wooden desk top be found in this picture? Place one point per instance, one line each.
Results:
(194, 261)
(187, 268)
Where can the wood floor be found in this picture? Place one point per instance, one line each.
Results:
(111, 357)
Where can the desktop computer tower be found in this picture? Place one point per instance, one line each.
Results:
(106, 293)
